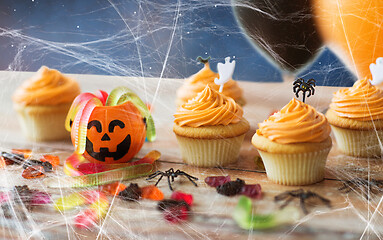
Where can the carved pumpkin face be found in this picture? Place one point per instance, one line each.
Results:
(115, 134)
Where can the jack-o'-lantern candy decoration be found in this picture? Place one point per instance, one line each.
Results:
(109, 129)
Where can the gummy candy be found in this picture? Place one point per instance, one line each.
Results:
(180, 196)
(12, 158)
(245, 219)
(216, 181)
(26, 153)
(176, 214)
(96, 211)
(40, 198)
(2, 162)
(131, 193)
(31, 162)
(54, 160)
(231, 188)
(252, 191)
(113, 188)
(71, 201)
(152, 192)
(33, 172)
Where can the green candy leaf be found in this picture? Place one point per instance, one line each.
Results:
(121, 95)
(247, 220)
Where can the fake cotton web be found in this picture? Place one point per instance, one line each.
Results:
(150, 46)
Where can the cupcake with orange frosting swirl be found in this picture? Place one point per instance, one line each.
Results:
(42, 103)
(294, 144)
(356, 118)
(197, 82)
(210, 129)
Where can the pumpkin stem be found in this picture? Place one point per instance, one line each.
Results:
(203, 60)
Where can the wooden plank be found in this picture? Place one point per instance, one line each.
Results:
(211, 218)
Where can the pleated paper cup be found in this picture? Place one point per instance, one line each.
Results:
(43, 123)
(295, 168)
(210, 152)
(359, 143)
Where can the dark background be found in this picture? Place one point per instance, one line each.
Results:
(138, 38)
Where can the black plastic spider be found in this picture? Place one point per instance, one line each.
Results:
(172, 174)
(303, 196)
(304, 86)
(367, 187)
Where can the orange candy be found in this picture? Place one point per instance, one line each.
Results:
(54, 160)
(113, 188)
(33, 172)
(2, 162)
(25, 152)
(152, 192)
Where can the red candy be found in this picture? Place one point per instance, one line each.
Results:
(252, 191)
(176, 214)
(33, 172)
(180, 196)
(86, 219)
(216, 181)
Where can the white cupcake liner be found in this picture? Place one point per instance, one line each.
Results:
(359, 143)
(296, 168)
(210, 152)
(43, 123)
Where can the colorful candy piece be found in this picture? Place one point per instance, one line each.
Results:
(80, 123)
(252, 191)
(27, 153)
(102, 95)
(131, 193)
(96, 211)
(54, 160)
(180, 196)
(33, 172)
(2, 162)
(113, 188)
(40, 198)
(152, 192)
(215, 181)
(174, 211)
(245, 219)
(71, 201)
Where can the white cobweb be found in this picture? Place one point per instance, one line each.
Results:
(149, 39)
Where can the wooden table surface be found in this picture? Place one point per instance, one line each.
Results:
(351, 216)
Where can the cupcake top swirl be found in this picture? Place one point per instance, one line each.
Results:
(362, 102)
(198, 81)
(48, 87)
(296, 122)
(208, 108)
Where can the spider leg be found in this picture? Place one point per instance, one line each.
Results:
(286, 202)
(295, 88)
(282, 196)
(303, 205)
(309, 94)
(324, 200)
(170, 185)
(296, 94)
(312, 90)
(190, 176)
(153, 175)
(159, 180)
(191, 180)
(299, 80)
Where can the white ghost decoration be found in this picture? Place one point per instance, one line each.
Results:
(377, 71)
(225, 71)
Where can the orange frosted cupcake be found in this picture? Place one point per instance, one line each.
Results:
(210, 129)
(197, 82)
(294, 144)
(356, 118)
(42, 103)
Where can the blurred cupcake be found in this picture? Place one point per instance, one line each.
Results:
(42, 103)
(294, 144)
(356, 118)
(210, 129)
(197, 82)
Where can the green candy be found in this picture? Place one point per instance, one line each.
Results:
(121, 95)
(245, 219)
